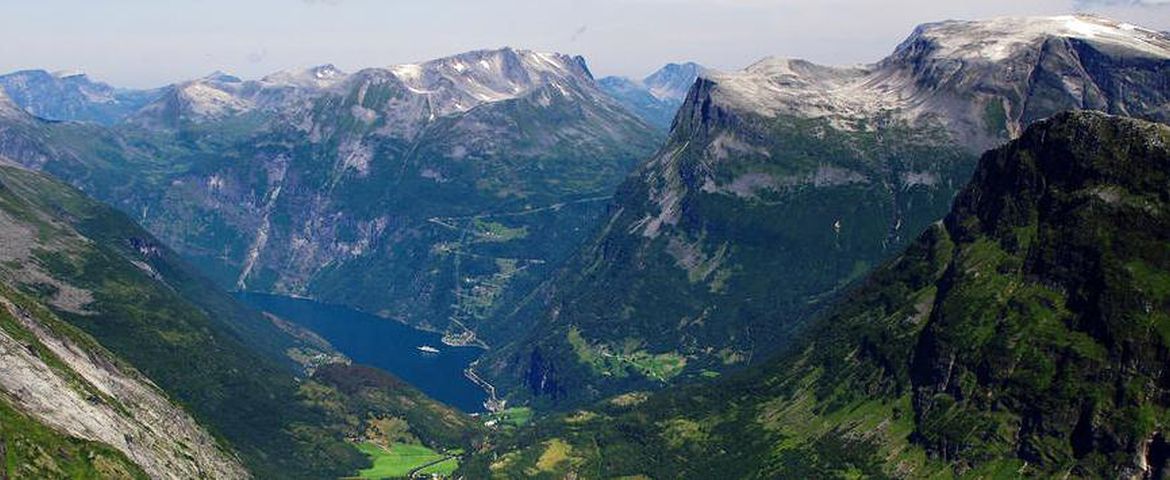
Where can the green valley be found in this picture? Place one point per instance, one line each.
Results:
(952, 262)
(1018, 337)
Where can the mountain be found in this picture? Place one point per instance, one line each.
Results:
(673, 81)
(436, 193)
(1023, 336)
(656, 98)
(221, 97)
(72, 97)
(119, 361)
(781, 184)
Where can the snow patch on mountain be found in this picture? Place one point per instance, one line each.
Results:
(207, 100)
(322, 76)
(462, 82)
(997, 39)
(983, 51)
(673, 81)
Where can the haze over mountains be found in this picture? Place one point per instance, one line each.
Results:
(412, 175)
(783, 183)
(657, 97)
(750, 243)
(75, 97)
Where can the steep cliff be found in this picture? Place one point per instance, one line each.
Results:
(781, 184)
(1025, 335)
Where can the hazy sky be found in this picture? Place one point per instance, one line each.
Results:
(141, 43)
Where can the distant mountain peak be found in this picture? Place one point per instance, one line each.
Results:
(71, 96)
(70, 74)
(933, 74)
(221, 76)
(999, 38)
(462, 81)
(656, 97)
(434, 88)
(327, 71)
(313, 77)
(673, 80)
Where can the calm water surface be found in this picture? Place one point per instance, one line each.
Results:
(386, 344)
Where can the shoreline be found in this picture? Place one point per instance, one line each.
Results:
(493, 404)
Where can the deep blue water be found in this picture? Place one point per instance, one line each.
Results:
(386, 344)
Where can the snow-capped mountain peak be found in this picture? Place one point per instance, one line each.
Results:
(672, 81)
(221, 77)
(997, 39)
(959, 71)
(321, 76)
(461, 82)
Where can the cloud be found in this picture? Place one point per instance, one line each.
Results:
(323, 2)
(578, 33)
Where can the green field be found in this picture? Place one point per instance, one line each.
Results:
(444, 468)
(514, 417)
(401, 458)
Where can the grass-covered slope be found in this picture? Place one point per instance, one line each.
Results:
(716, 252)
(29, 449)
(1024, 335)
(93, 268)
(783, 183)
(369, 193)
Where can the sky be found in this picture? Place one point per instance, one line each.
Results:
(148, 43)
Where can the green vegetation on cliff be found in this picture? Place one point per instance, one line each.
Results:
(1024, 335)
(121, 291)
(31, 450)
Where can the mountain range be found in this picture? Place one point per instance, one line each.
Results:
(700, 274)
(782, 184)
(1023, 336)
(431, 193)
(113, 345)
(72, 97)
(657, 97)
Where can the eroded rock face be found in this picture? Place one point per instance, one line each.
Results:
(434, 193)
(72, 97)
(800, 177)
(83, 392)
(657, 97)
(1026, 335)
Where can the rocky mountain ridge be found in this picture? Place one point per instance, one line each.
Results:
(1024, 335)
(782, 183)
(434, 185)
(657, 97)
(72, 96)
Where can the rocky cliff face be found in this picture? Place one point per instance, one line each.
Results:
(782, 183)
(657, 97)
(109, 337)
(1022, 336)
(72, 97)
(434, 193)
(83, 392)
(62, 377)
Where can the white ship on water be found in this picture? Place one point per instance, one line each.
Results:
(428, 349)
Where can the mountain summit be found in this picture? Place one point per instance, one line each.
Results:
(673, 81)
(982, 80)
(782, 183)
(657, 97)
(425, 191)
(1025, 335)
(72, 96)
